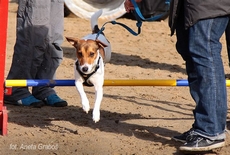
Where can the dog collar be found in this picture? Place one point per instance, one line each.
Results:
(87, 76)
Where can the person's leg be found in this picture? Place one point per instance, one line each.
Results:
(53, 52)
(23, 66)
(41, 21)
(182, 46)
(227, 35)
(205, 48)
(21, 56)
(211, 108)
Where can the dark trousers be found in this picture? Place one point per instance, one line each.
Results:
(37, 51)
(227, 34)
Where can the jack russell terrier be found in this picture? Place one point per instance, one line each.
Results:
(92, 51)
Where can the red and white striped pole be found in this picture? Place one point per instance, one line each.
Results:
(3, 37)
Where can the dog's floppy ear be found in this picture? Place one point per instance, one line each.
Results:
(73, 41)
(101, 47)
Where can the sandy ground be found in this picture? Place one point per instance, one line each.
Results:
(134, 120)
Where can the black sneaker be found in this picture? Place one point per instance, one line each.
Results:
(182, 138)
(198, 143)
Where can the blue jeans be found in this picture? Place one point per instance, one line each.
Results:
(199, 46)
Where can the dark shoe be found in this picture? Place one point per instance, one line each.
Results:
(28, 101)
(198, 143)
(182, 138)
(55, 101)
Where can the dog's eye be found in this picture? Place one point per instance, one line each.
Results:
(79, 54)
(91, 54)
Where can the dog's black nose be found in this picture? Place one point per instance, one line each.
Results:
(85, 69)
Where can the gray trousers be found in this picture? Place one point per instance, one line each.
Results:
(37, 51)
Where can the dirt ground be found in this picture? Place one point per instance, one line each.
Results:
(134, 120)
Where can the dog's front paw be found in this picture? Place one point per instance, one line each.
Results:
(96, 115)
(85, 105)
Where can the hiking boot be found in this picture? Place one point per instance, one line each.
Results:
(27, 101)
(55, 101)
(182, 138)
(199, 143)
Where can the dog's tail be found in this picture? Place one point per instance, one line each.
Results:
(94, 21)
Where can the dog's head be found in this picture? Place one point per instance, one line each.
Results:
(87, 52)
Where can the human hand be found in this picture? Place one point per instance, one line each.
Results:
(129, 6)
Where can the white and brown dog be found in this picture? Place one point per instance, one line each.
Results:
(92, 51)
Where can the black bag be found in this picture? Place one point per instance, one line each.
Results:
(151, 8)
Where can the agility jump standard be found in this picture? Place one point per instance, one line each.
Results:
(3, 36)
(115, 82)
